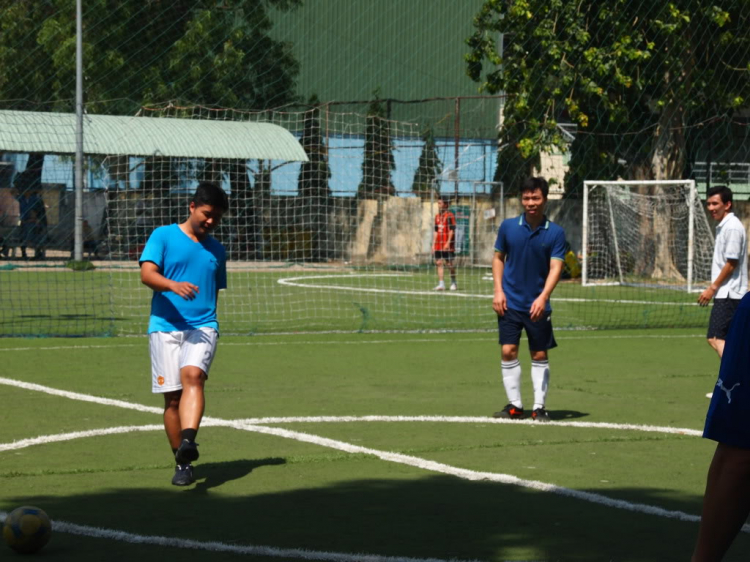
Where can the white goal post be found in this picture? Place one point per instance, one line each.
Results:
(645, 233)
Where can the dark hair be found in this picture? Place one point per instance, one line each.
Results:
(532, 184)
(447, 200)
(721, 190)
(209, 193)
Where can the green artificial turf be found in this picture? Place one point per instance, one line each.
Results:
(274, 490)
(103, 302)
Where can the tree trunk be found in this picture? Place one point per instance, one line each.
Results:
(668, 159)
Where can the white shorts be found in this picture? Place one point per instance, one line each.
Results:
(171, 351)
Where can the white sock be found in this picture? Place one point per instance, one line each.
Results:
(512, 381)
(540, 378)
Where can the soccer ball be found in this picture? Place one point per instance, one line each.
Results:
(27, 529)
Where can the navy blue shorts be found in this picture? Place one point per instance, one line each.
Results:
(728, 418)
(721, 317)
(539, 333)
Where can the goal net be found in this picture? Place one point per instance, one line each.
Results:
(341, 243)
(645, 233)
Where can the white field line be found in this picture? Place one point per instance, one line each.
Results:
(213, 546)
(207, 420)
(296, 282)
(472, 475)
(394, 457)
(81, 397)
(210, 422)
(60, 437)
(470, 419)
(638, 336)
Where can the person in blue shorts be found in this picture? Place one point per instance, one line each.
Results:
(528, 262)
(726, 502)
(186, 267)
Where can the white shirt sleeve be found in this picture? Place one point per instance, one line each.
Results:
(733, 245)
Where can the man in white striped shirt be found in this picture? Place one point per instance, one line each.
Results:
(728, 269)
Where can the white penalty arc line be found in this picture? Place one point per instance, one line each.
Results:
(423, 464)
(214, 546)
(393, 457)
(472, 420)
(296, 282)
(209, 422)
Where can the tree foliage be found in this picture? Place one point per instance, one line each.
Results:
(138, 52)
(429, 167)
(378, 158)
(315, 173)
(634, 76)
(313, 185)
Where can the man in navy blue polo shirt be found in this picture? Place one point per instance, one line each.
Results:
(529, 257)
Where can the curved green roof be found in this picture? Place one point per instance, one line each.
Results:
(54, 133)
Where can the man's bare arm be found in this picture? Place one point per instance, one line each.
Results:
(152, 277)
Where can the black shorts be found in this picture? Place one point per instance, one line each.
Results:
(539, 333)
(445, 255)
(721, 317)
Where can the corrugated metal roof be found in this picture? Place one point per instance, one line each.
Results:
(54, 133)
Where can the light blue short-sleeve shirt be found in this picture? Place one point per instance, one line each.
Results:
(180, 258)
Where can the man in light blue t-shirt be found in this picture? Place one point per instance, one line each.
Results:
(186, 268)
(528, 262)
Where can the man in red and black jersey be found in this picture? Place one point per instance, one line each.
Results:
(444, 244)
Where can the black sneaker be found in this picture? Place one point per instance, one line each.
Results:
(541, 415)
(183, 475)
(187, 453)
(509, 412)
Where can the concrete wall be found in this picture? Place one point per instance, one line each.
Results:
(405, 228)
(400, 230)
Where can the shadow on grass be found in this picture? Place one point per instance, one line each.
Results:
(560, 415)
(213, 475)
(405, 516)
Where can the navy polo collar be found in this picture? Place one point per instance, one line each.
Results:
(522, 221)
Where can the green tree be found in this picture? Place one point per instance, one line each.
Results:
(138, 52)
(429, 167)
(633, 76)
(313, 188)
(315, 173)
(378, 158)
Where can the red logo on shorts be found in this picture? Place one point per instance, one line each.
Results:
(160, 380)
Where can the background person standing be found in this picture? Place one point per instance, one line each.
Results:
(728, 268)
(444, 244)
